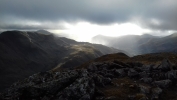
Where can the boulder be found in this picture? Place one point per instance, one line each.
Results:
(85, 97)
(119, 72)
(165, 65)
(146, 68)
(82, 88)
(109, 75)
(111, 98)
(135, 64)
(132, 73)
(100, 80)
(115, 66)
(92, 67)
(163, 83)
(172, 75)
(144, 74)
(146, 80)
(103, 67)
(156, 93)
(144, 89)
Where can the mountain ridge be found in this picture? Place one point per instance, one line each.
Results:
(25, 53)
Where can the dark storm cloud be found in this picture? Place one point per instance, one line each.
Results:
(94, 11)
(29, 27)
(64, 10)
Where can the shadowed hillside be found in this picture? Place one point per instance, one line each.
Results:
(25, 53)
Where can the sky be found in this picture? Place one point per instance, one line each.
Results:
(83, 19)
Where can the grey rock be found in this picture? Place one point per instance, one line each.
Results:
(163, 83)
(106, 81)
(165, 65)
(85, 97)
(144, 74)
(144, 98)
(79, 89)
(100, 80)
(131, 97)
(100, 98)
(144, 89)
(135, 64)
(120, 72)
(132, 73)
(115, 66)
(92, 67)
(158, 75)
(111, 98)
(98, 92)
(155, 93)
(172, 75)
(146, 80)
(109, 75)
(104, 66)
(146, 68)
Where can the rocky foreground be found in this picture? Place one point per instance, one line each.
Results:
(113, 80)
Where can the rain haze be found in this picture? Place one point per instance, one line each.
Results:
(83, 19)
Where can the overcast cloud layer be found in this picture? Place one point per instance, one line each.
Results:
(46, 14)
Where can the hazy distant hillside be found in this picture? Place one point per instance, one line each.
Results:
(128, 43)
(164, 44)
(135, 44)
(26, 53)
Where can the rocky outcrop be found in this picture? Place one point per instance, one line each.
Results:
(99, 81)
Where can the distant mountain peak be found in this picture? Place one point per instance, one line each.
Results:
(173, 35)
(44, 32)
(147, 35)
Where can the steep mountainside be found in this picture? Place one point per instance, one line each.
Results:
(110, 77)
(25, 53)
(164, 44)
(135, 44)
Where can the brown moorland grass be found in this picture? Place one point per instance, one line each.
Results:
(153, 58)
